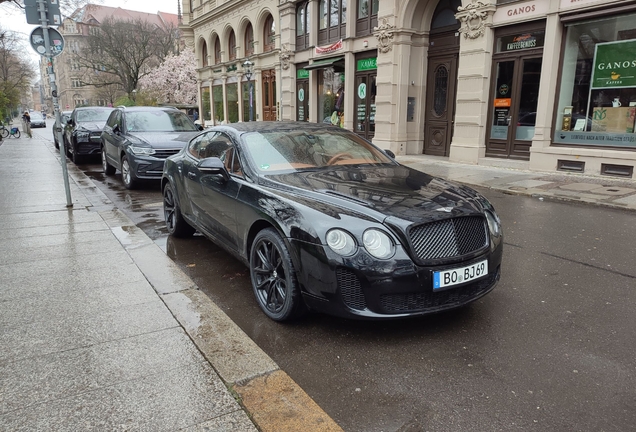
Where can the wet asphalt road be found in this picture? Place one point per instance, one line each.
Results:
(550, 349)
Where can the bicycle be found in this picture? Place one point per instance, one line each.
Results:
(14, 132)
(4, 132)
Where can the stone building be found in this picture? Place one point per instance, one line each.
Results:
(541, 84)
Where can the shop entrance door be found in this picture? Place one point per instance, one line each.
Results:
(365, 104)
(440, 104)
(269, 94)
(302, 102)
(513, 107)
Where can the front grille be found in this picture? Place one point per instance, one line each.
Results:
(449, 238)
(350, 289)
(431, 300)
(164, 153)
(95, 136)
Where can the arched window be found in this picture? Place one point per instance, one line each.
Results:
(444, 15)
(249, 40)
(231, 45)
(204, 54)
(217, 51)
(302, 25)
(269, 34)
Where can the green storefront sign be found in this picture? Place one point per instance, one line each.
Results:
(614, 65)
(367, 64)
(302, 74)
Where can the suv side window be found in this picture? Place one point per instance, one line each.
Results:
(112, 119)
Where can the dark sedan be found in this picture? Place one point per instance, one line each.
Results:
(137, 141)
(326, 221)
(83, 130)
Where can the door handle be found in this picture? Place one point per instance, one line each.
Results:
(192, 175)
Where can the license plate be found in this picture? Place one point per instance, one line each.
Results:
(446, 278)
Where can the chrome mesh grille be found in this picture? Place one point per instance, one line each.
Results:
(449, 238)
(350, 289)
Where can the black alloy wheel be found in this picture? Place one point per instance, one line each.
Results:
(176, 224)
(273, 277)
(108, 168)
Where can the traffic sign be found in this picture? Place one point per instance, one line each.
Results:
(56, 41)
(51, 7)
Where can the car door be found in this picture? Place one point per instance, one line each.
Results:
(112, 138)
(192, 176)
(217, 203)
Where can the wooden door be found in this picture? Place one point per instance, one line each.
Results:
(440, 104)
(269, 94)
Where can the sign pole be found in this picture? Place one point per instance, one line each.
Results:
(42, 9)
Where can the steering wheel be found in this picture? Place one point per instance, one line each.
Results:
(339, 156)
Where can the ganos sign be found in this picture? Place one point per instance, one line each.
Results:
(614, 65)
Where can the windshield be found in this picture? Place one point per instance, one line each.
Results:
(93, 115)
(158, 121)
(36, 116)
(287, 150)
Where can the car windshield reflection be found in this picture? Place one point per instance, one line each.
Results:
(93, 115)
(159, 121)
(286, 150)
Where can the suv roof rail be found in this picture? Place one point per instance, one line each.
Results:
(121, 106)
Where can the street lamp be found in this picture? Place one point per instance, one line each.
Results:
(247, 67)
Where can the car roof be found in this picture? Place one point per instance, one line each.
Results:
(93, 108)
(269, 126)
(148, 108)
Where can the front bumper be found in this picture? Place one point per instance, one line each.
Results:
(146, 167)
(363, 287)
(89, 145)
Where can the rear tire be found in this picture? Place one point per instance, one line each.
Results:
(176, 224)
(108, 168)
(4, 132)
(17, 134)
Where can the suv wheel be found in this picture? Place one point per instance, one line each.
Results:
(108, 168)
(126, 174)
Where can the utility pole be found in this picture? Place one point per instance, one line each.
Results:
(48, 43)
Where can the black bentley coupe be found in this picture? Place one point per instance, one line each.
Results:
(328, 222)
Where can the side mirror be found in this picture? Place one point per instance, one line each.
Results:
(215, 166)
(116, 129)
(390, 154)
(200, 127)
(69, 122)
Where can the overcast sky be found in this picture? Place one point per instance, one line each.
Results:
(12, 18)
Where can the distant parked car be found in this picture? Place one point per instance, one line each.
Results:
(83, 130)
(137, 141)
(64, 115)
(37, 121)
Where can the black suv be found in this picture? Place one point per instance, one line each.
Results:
(83, 130)
(137, 141)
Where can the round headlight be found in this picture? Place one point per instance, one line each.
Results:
(341, 242)
(378, 244)
(494, 225)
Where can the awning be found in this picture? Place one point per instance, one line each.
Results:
(319, 64)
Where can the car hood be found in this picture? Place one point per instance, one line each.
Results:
(91, 125)
(400, 194)
(164, 139)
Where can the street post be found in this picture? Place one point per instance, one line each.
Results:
(46, 13)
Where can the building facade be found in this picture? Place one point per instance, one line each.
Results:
(541, 84)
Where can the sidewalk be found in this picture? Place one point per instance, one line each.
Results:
(599, 190)
(100, 330)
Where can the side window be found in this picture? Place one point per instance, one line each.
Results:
(195, 145)
(231, 160)
(112, 119)
(212, 144)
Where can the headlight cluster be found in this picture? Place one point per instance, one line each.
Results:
(376, 243)
(138, 150)
(83, 133)
(494, 224)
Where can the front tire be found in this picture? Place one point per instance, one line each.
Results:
(274, 278)
(176, 224)
(4, 132)
(127, 175)
(108, 168)
(77, 159)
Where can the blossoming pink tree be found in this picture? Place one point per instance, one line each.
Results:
(174, 81)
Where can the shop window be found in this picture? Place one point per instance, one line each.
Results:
(217, 51)
(269, 35)
(302, 25)
(232, 45)
(232, 102)
(217, 100)
(331, 96)
(204, 54)
(249, 40)
(367, 16)
(331, 20)
(597, 99)
(205, 103)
